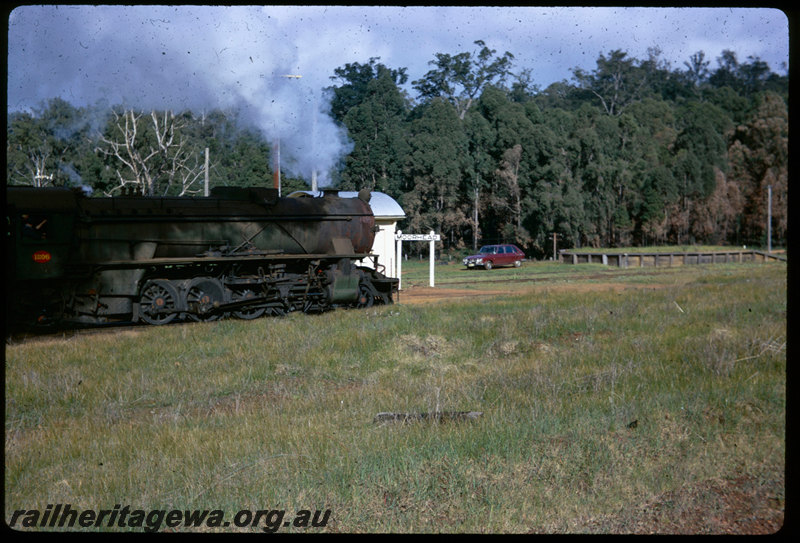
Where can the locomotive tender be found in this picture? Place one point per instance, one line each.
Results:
(244, 252)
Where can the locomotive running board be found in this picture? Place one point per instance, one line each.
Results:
(179, 261)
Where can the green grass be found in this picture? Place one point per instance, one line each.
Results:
(278, 413)
(452, 274)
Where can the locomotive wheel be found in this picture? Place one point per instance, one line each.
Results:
(366, 295)
(202, 295)
(247, 314)
(157, 296)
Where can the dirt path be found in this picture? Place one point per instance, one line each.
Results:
(422, 295)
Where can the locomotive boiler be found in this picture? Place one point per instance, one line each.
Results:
(244, 252)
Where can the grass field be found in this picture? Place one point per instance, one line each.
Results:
(614, 401)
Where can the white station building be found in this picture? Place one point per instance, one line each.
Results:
(387, 214)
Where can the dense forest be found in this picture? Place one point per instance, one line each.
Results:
(633, 152)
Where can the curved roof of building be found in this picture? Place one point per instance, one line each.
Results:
(383, 206)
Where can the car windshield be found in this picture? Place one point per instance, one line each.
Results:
(487, 250)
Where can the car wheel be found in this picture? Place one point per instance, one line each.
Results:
(487, 265)
(517, 263)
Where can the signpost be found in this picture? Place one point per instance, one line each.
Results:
(400, 237)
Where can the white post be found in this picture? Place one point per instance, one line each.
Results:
(205, 192)
(432, 237)
(433, 243)
(769, 218)
(399, 260)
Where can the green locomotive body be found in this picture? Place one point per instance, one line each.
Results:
(240, 251)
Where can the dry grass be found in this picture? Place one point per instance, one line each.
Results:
(608, 410)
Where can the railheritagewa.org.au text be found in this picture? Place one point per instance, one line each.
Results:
(65, 516)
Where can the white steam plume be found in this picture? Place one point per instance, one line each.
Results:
(183, 57)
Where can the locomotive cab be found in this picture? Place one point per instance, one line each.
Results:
(40, 234)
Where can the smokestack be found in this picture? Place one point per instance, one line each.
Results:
(276, 165)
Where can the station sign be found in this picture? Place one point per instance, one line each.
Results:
(418, 237)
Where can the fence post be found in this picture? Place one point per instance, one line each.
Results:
(433, 243)
(399, 260)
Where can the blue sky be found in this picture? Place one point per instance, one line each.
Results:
(206, 57)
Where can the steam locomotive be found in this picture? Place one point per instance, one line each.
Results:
(242, 252)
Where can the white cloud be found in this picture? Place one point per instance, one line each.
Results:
(217, 56)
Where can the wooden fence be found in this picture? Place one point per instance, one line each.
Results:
(641, 260)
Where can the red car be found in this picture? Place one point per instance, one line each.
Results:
(496, 255)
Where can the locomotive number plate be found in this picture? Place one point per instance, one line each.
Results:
(41, 257)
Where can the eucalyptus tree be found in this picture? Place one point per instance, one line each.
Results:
(759, 159)
(30, 154)
(523, 89)
(239, 154)
(433, 172)
(513, 151)
(697, 72)
(700, 152)
(557, 207)
(149, 154)
(351, 84)
(377, 125)
(49, 146)
(649, 136)
(461, 78)
(478, 170)
(458, 81)
(617, 81)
